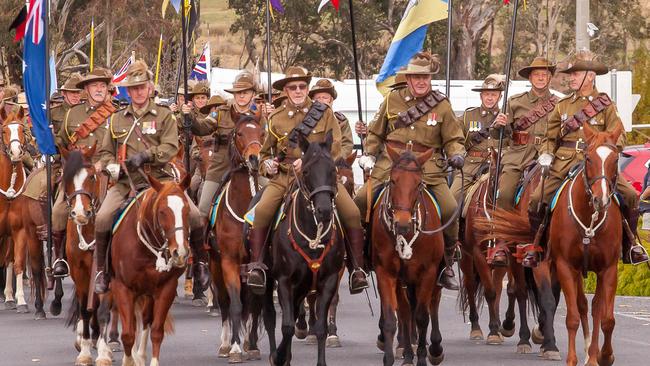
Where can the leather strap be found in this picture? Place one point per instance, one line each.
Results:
(305, 127)
(592, 108)
(533, 116)
(411, 115)
(577, 145)
(97, 118)
(478, 154)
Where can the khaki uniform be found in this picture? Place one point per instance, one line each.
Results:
(281, 123)
(445, 133)
(161, 134)
(347, 144)
(566, 157)
(475, 120)
(58, 114)
(517, 156)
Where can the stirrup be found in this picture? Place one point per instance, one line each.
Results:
(643, 249)
(67, 266)
(256, 287)
(357, 290)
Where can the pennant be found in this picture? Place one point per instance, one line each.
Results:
(19, 24)
(175, 3)
(118, 77)
(335, 3)
(201, 70)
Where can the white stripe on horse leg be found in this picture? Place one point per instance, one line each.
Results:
(142, 346)
(154, 362)
(235, 348)
(224, 348)
(20, 292)
(86, 345)
(104, 352)
(9, 283)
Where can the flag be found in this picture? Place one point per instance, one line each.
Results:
(19, 24)
(409, 37)
(53, 81)
(201, 70)
(35, 64)
(277, 6)
(192, 17)
(335, 3)
(118, 77)
(175, 3)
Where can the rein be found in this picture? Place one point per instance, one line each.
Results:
(83, 244)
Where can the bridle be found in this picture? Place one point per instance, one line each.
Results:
(589, 182)
(83, 192)
(6, 147)
(11, 192)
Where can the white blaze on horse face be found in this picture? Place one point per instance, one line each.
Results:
(78, 181)
(251, 125)
(603, 153)
(14, 145)
(176, 204)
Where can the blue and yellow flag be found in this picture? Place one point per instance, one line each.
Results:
(409, 37)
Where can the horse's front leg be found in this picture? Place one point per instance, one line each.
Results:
(521, 294)
(485, 274)
(568, 280)
(468, 296)
(609, 280)
(323, 301)
(19, 240)
(10, 300)
(37, 266)
(436, 353)
(547, 303)
(387, 285)
(289, 306)
(125, 301)
(162, 304)
(232, 281)
(332, 336)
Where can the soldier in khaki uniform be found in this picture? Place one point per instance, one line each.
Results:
(71, 97)
(281, 123)
(324, 92)
(436, 129)
(143, 133)
(559, 153)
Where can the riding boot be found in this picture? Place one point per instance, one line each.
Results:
(101, 246)
(633, 252)
(447, 277)
(200, 270)
(532, 256)
(60, 268)
(358, 280)
(256, 275)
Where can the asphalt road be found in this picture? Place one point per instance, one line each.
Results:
(25, 341)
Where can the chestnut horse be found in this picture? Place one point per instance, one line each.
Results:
(407, 249)
(585, 234)
(149, 251)
(226, 258)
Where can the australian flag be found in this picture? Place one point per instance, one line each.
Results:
(201, 70)
(118, 77)
(35, 66)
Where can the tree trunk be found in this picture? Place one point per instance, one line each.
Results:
(109, 34)
(463, 58)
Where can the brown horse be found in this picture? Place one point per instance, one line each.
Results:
(407, 250)
(585, 234)
(149, 251)
(229, 254)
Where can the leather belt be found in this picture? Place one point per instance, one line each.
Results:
(419, 148)
(478, 154)
(577, 145)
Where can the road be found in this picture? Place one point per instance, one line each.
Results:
(27, 342)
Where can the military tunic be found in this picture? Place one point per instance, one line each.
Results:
(347, 144)
(74, 118)
(566, 157)
(517, 156)
(58, 114)
(281, 122)
(439, 129)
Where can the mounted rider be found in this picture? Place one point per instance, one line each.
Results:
(324, 92)
(424, 117)
(564, 146)
(281, 158)
(71, 97)
(141, 136)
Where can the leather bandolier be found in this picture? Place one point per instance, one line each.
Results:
(413, 114)
(305, 127)
(93, 121)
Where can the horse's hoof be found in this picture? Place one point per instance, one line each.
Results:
(224, 351)
(507, 332)
(605, 361)
(551, 355)
(10, 305)
(380, 345)
(214, 312)
(524, 349)
(22, 309)
(253, 355)
(103, 362)
(311, 340)
(407, 364)
(115, 346)
(39, 315)
(301, 333)
(494, 340)
(536, 335)
(333, 341)
(55, 308)
(399, 352)
(476, 335)
(83, 361)
(235, 358)
(200, 302)
(437, 360)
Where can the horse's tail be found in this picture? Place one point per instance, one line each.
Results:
(509, 226)
(73, 311)
(531, 286)
(463, 295)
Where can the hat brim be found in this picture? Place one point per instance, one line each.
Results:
(524, 72)
(598, 67)
(278, 102)
(206, 108)
(241, 89)
(279, 84)
(481, 89)
(82, 83)
(70, 89)
(331, 91)
(412, 72)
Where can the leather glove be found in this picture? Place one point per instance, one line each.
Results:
(31, 149)
(113, 170)
(479, 136)
(456, 161)
(367, 162)
(271, 166)
(138, 160)
(545, 160)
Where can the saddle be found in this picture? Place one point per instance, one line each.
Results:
(125, 208)
(529, 172)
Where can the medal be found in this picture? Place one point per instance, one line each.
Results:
(432, 120)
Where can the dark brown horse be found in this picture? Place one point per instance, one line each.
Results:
(585, 234)
(229, 254)
(149, 251)
(407, 250)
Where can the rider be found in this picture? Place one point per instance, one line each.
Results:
(143, 135)
(561, 152)
(324, 92)
(71, 97)
(433, 126)
(287, 117)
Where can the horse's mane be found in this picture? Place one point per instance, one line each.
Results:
(342, 163)
(73, 164)
(407, 157)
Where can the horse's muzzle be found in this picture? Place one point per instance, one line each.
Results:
(253, 162)
(178, 261)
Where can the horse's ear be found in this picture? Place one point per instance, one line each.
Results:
(3, 112)
(424, 157)
(393, 153)
(329, 140)
(618, 131)
(21, 113)
(589, 132)
(64, 151)
(88, 153)
(303, 143)
(185, 183)
(155, 183)
(351, 158)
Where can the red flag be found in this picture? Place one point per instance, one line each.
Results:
(19, 24)
(335, 3)
(507, 2)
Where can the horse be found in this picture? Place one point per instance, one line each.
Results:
(227, 256)
(149, 252)
(585, 234)
(302, 265)
(407, 249)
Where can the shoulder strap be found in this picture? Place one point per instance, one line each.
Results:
(340, 116)
(305, 127)
(411, 115)
(594, 107)
(540, 111)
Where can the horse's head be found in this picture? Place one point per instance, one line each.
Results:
(318, 182)
(405, 184)
(170, 214)
(247, 142)
(345, 173)
(13, 133)
(601, 165)
(79, 183)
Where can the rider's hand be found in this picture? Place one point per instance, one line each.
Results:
(360, 128)
(186, 108)
(545, 160)
(297, 165)
(113, 170)
(367, 162)
(501, 120)
(138, 160)
(267, 109)
(456, 161)
(173, 107)
(271, 166)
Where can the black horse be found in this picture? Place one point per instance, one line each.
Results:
(307, 251)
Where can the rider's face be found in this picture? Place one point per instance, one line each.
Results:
(297, 91)
(97, 91)
(139, 94)
(490, 98)
(324, 98)
(540, 78)
(419, 85)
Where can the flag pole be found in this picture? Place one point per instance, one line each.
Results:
(92, 43)
(160, 44)
(48, 158)
(508, 65)
(356, 68)
(186, 122)
(268, 51)
(448, 67)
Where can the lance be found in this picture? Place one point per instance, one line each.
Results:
(268, 50)
(449, 22)
(356, 68)
(505, 97)
(48, 158)
(187, 124)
